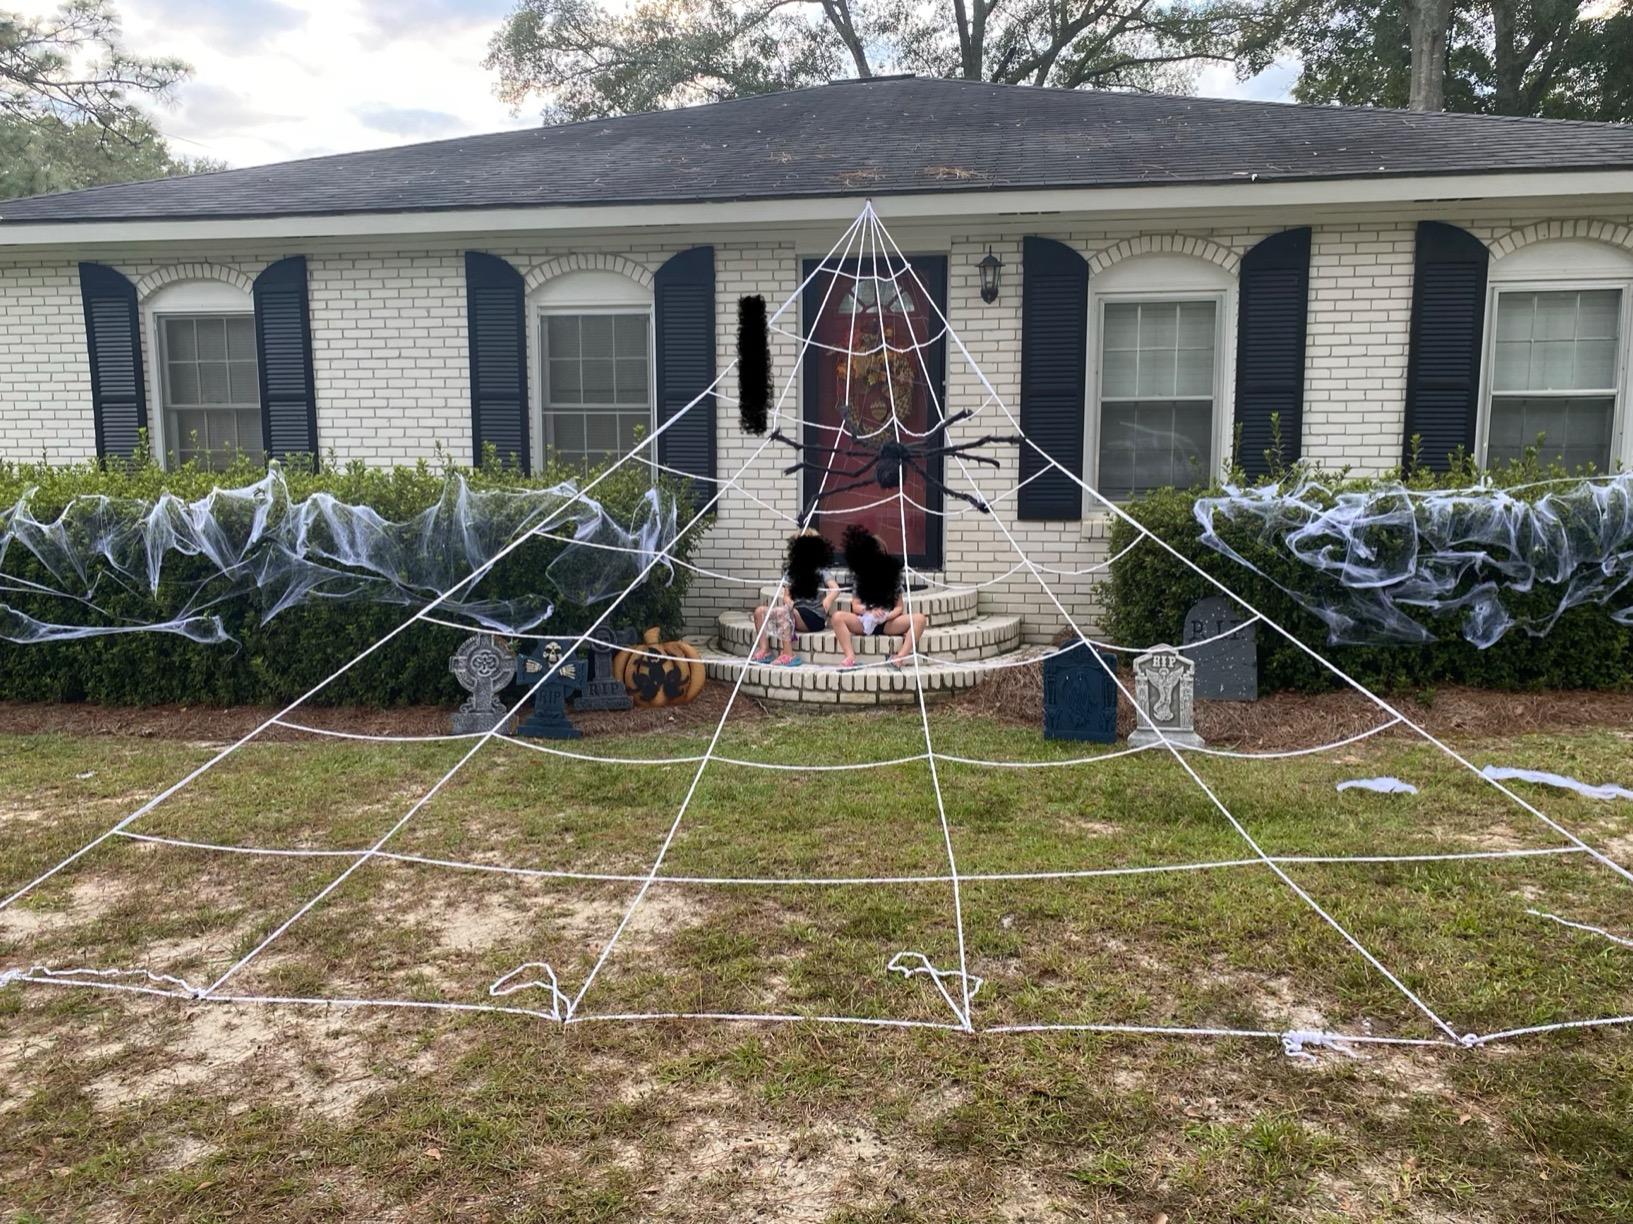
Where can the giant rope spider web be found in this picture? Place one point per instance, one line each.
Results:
(548, 990)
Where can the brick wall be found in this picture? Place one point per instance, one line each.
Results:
(390, 358)
(45, 380)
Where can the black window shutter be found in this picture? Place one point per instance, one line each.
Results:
(113, 339)
(1273, 292)
(1443, 371)
(1054, 339)
(283, 348)
(683, 301)
(497, 322)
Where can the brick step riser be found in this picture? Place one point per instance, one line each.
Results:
(843, 688)
(841, 700)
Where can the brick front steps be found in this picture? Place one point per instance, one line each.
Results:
(872, 684)
(957, 637)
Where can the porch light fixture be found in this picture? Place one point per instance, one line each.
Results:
(990, 267)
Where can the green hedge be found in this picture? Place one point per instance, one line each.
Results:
(1150, 592)
(275, 661)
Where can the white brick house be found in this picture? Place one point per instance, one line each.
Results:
(1463, 279)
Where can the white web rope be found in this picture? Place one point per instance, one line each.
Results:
(879, 263)
(1152, 723)
(1179, 757)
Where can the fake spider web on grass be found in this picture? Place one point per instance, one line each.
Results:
(593, 882)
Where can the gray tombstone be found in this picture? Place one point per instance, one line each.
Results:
(484, 665)
(1227, 666)
(1164, 699)
(605, 691)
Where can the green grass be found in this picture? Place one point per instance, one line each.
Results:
(115, 1106)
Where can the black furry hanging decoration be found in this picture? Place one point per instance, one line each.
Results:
(753, 364)
(808, 555)
(876, 572)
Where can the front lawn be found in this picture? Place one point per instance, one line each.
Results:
(120, 1106)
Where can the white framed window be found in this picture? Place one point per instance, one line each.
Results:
(595, 366)
(205, 378)
(1159, 383)
(1556, 368)
(597, 383)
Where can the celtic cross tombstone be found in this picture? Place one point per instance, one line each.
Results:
(484, 666)
(549, 717)
(1164, 699)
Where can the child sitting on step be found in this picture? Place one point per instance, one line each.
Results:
(877, 602)
(802, 604)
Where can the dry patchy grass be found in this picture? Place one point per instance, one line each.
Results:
(121, 1107)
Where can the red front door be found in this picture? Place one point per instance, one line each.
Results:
(876, 395)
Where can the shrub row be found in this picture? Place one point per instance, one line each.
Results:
(1150, 592)
(274, 661)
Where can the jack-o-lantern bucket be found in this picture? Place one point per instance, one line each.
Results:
(663, 673)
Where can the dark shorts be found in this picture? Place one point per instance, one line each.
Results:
(810, 618)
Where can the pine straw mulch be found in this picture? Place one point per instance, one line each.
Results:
(218, 724)
(1014, 695)
(1279, 721)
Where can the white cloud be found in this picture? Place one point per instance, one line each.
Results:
(1274, 84)
(277, 79)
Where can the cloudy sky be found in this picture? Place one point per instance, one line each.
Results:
(277, 79)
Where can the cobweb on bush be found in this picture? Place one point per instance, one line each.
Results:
(536, 987)
(287, 552)
(1374, 562)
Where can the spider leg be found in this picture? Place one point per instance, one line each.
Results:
(940, 485)
(964, 449)
(808, 465)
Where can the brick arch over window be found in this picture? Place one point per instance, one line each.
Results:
(587, 262)
(172, 273)
(1550, 231)
(1170, 244)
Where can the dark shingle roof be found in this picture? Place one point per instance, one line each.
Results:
(879, 137)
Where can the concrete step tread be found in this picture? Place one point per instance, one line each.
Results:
(980, 637)
(941, 605)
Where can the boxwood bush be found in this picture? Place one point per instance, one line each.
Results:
(1150, 592)
(275, 661)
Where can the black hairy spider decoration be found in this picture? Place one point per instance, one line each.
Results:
(891, 456)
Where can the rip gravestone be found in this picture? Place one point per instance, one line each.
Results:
(1164, 699)
(549, 717)
(1227, 666)
(604, 690)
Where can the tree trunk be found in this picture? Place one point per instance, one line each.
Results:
(1428, 22)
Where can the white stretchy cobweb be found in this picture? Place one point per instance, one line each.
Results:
(865, 255)
(290, 552)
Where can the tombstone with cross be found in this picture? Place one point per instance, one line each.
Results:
(549, 717)
(483, 665)
(604, 690)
